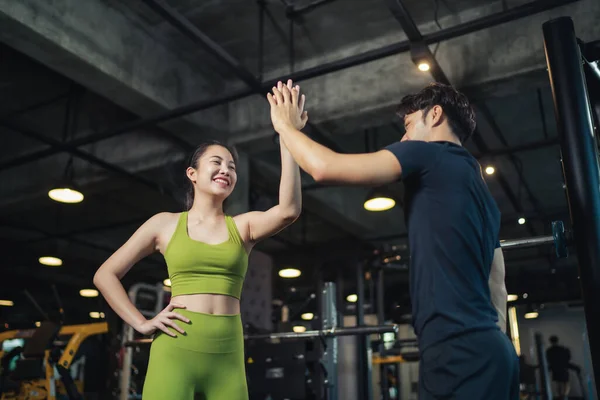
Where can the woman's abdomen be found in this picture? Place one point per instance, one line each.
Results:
(217, 304)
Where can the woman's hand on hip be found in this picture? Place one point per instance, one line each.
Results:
(163, 320)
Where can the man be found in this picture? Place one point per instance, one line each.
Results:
(457, 286)
(559, 363)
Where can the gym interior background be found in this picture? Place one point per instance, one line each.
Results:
(108, 97)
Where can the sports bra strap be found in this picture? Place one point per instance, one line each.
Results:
(182, 224)
(234, 234)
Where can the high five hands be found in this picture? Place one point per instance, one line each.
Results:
(287, 107)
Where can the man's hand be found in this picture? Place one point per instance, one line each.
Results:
(287, 107)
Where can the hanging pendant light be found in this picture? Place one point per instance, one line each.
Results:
(52, 253)
(65, 191)
(379, 200)
(65, 194)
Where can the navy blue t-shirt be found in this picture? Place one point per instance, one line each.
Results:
(453, 225)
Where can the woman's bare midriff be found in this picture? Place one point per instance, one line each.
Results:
(208, 303)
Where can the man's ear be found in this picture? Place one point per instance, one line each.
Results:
(437, 115)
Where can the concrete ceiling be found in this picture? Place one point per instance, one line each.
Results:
(71, 70)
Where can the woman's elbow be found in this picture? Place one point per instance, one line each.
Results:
(290, 215)
(98, 278)
(101, 277)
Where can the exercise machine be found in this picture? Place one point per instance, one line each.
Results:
(42, 367)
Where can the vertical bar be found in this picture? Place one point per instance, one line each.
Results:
(385, 393)
(340, 295)
(318, 375)
(590, 392)
(360, 317)
(580, 164)
(329, 315)
(320, 299)
(371, 282)
(364, 342)
(592, 74)
(543, 367)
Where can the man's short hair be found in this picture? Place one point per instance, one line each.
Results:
(456, 106)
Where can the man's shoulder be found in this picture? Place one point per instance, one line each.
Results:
(416, 149)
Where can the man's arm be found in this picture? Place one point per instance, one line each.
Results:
(498, 287)
(323, 164)
(329, 167)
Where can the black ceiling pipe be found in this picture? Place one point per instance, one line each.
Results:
(512, 14)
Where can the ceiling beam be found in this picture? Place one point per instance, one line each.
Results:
(87, 157)
(34, 107)
(196, 35)
(466, 28)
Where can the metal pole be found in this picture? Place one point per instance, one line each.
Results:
(362, 331)
(128, 333)
(364, 342)
(330, 356)
(318, 376)
(385, 393)
(543, 367)
(580, 164)
(332, 332)
(320, 299)
(592, 75)
(309, 7)
(36, 305)
(339, 284)
(526, 242)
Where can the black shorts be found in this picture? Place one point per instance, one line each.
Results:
(472, 366)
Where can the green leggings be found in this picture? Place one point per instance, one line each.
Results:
(208, 361)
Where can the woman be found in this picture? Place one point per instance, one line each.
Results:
(199, 344)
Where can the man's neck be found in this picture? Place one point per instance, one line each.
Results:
(444, 135)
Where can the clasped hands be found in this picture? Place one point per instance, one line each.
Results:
(287, 107)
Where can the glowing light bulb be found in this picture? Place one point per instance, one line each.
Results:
(423, 66)
(66, 195)
(289, 273)
(379, 204)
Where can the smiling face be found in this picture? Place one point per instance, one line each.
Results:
(416, 127)
(420, 125)
(214, 172)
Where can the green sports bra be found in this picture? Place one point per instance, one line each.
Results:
(197, 267)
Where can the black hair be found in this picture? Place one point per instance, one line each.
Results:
(193, 162)
(456, 106)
